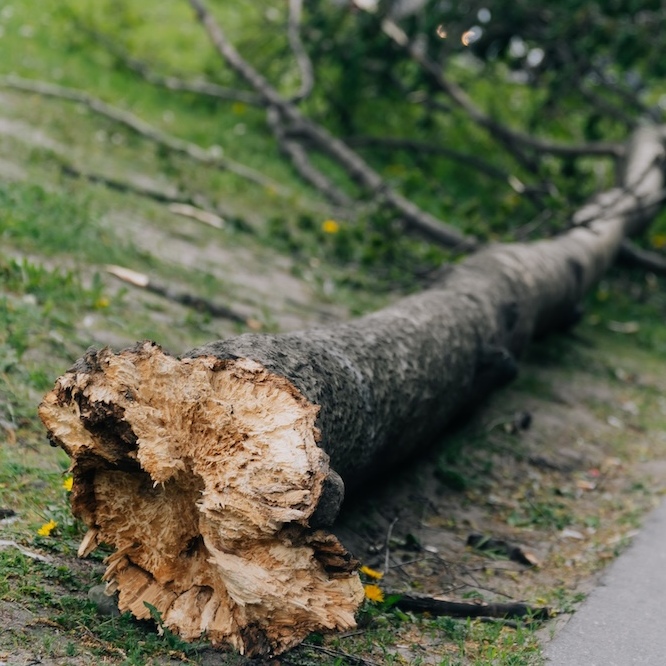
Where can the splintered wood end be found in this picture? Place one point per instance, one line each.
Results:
(203, 474)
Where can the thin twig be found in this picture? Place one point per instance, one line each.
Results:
(632, 255)
(399, 143)
(175, 83)
(302, 59)
(629, 98)
(387, 546)
(354, 659)
(301, 162)
(184, 298)
(161, 196)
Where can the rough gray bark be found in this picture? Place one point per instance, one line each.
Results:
(211, 474)
(391, 380)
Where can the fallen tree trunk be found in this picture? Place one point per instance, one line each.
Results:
(212, 476)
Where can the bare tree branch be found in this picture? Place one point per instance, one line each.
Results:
(415, 218)
(606, 107)
(162, 196)
(435, 606)
(207, 88)
(508, 136)
(184, 298)
(302, 59)
(632, 255)
(399, 143)
(629, 98)
(142, 128)
(301, 162)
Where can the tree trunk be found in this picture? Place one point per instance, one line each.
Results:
(213, 476)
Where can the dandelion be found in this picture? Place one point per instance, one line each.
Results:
(68, 483)
(330, 227)
(46, 529)
(374, 593)
(102, 302)
(371, 573)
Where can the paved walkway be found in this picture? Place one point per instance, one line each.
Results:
(623, 621)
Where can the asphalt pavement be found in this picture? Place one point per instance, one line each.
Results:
(623, 621)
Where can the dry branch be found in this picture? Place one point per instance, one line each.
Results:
(358, 170)
(435, 606)
(302, 59)
(632, 255)
(301, 162)
(170, 82)
(212, 476)
(138, 126)
(161, 196)
(512, 139)
(398, 143)
(184, 298)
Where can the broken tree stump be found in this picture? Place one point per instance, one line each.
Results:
(203, 475)
(214, 476)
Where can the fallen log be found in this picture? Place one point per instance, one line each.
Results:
(215, 475)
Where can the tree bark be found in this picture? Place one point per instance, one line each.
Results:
(213, 476)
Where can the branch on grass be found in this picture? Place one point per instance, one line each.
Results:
(302, 59)
(358, 170)
(142, 281)
(509, 137)
(199, 214)
(197, 202)
(340, 654)
(144, 129)
(398, 143)
(632, 255)
(436, 606)
(301, 162)
(146, 72)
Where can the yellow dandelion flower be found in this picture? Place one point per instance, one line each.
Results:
(374, 593)
(68, 483)
(46, 529)
(371, 573)
(102, 302)
(330, 227)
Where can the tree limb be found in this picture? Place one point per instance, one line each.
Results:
(435, 606)
(508, 136)
(145, 130)
(143, 69)
(414, 218)
(302, 59)
(399, 143)
(632, 255)
(160, 196)
(301, 162)
(184, 298)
